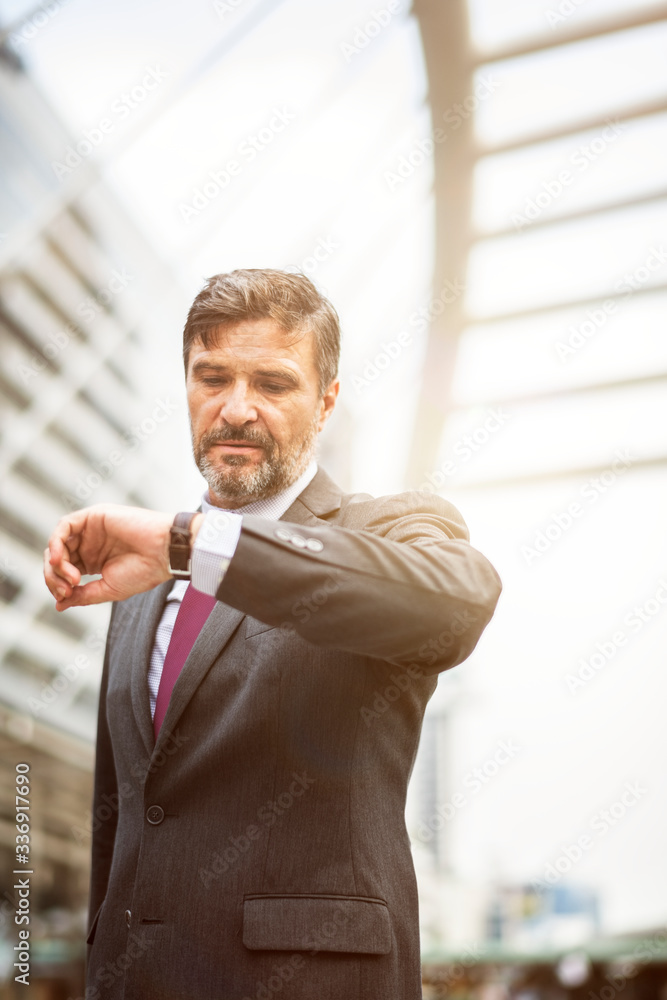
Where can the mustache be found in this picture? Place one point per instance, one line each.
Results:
(247, 435)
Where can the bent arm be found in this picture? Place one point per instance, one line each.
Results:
(403, 588)
(393, 578)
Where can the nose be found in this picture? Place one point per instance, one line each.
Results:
(238, 406)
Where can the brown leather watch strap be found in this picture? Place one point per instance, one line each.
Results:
(180, 545)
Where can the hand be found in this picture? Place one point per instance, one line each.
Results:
(128, 546)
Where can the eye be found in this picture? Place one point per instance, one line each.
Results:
(274, 387)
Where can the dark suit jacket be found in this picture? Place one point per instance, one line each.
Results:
(259, 847)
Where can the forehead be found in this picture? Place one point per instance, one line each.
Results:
(256, 341)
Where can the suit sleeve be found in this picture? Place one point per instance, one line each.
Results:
(105, 785)
(406, 586)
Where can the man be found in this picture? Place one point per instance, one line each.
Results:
(254, 745)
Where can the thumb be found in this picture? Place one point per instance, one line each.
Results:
(93, 592)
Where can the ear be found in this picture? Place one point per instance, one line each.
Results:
(328, 402)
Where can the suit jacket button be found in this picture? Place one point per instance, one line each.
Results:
(314, 545)
(283, 535)
(299, 541)
(155, 814)
(128, 918)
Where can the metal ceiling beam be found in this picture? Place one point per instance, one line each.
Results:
(552, 475)
(445, 38)
(579, 33)
(592, 211)
(656, 106)
(567, 392)
(564, 303)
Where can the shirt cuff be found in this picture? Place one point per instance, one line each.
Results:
(214, 547)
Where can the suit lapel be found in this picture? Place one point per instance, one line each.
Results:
(148, 618)
(320, 497)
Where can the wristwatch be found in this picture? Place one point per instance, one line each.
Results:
(180, 545)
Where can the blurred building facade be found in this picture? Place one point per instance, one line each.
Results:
(76, 281)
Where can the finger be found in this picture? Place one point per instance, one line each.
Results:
(76, 561)
(60, 553)
(59, 587)
(73, 545)
(65, 571)
(56, 554)
(73, 542)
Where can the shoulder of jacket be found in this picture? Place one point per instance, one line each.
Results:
(361, 510)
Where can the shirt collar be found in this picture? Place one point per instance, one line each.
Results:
(272, 507)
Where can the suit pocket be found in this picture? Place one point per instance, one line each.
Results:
(316, 923)
(93, 926)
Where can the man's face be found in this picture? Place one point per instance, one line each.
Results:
(255, 409)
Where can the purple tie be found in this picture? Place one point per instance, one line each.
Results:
(193, 612)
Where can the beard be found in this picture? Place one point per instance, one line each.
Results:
(238, 478)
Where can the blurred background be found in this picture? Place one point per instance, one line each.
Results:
(480, 187)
